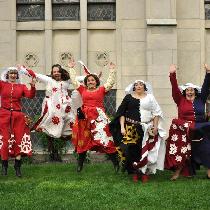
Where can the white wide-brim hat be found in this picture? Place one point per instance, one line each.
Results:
(189, 85)
(129, 88)
(4, 72)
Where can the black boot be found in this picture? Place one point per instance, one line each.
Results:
(80, 161)
(17, 168)
(114, 158)
(4, 167)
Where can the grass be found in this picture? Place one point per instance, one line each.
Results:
(97, 187)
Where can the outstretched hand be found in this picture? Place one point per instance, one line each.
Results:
(207, 68)
(112, 65)
(172, 69)
(18, 67)
(33, 81)
(71, 63)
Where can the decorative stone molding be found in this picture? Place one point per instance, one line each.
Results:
(102, 58)
(161, 22)
(31, 59)
(65, 57)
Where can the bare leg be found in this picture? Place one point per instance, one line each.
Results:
(176, 174)
(208, 173)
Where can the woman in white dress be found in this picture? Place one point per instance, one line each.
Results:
(57, 115)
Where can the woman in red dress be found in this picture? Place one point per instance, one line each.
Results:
(14, 131)
(182, 151)
(91, 129)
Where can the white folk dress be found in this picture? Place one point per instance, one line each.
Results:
(153, 149)
(57, 115)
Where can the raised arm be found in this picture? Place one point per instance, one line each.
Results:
(40, 77)
(72, 74)
(30, 93)
(111, 78)
(206, 84)
(176, 93)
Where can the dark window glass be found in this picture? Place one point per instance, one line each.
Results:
(207, 9)
(30, 10)
(66, 10)
(101, 10)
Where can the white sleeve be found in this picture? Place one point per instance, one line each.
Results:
(43, 78)
(39, 77)
(156, 110)
(111, 80)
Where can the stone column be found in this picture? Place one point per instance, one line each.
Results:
(161, 51)
(83, 32)
(48, 35)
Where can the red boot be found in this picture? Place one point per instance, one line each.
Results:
(135, 178)
(144, 178)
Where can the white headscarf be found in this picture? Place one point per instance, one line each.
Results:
(4, 72)
(129, 88)
(190, 85)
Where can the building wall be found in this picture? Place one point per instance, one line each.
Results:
(147, 36)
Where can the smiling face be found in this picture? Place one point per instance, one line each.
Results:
(190, 93)
(56, 74)
(12, 75)
(139, 87)
(91, 82)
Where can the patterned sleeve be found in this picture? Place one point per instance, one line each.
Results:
(74, 81)
(110, 81)
(176, 93)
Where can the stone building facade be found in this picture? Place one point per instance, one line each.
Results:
(143, 37)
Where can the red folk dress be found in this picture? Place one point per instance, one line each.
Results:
(191, 118)
(92, 132)
(14, 133)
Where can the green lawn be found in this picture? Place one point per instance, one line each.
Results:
(59, 186)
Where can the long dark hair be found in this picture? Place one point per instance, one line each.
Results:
(64, 74)
(95, 77)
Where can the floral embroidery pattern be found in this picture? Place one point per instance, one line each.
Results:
(54, 89)
(68, 109)
(178, 158)
(100, 128)
(179, 145)
(11, 141)
(25, 146)
(173, 149)
(174, 137)
(184, 150)
(58, 106)
(184, 139)
(55, 120)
